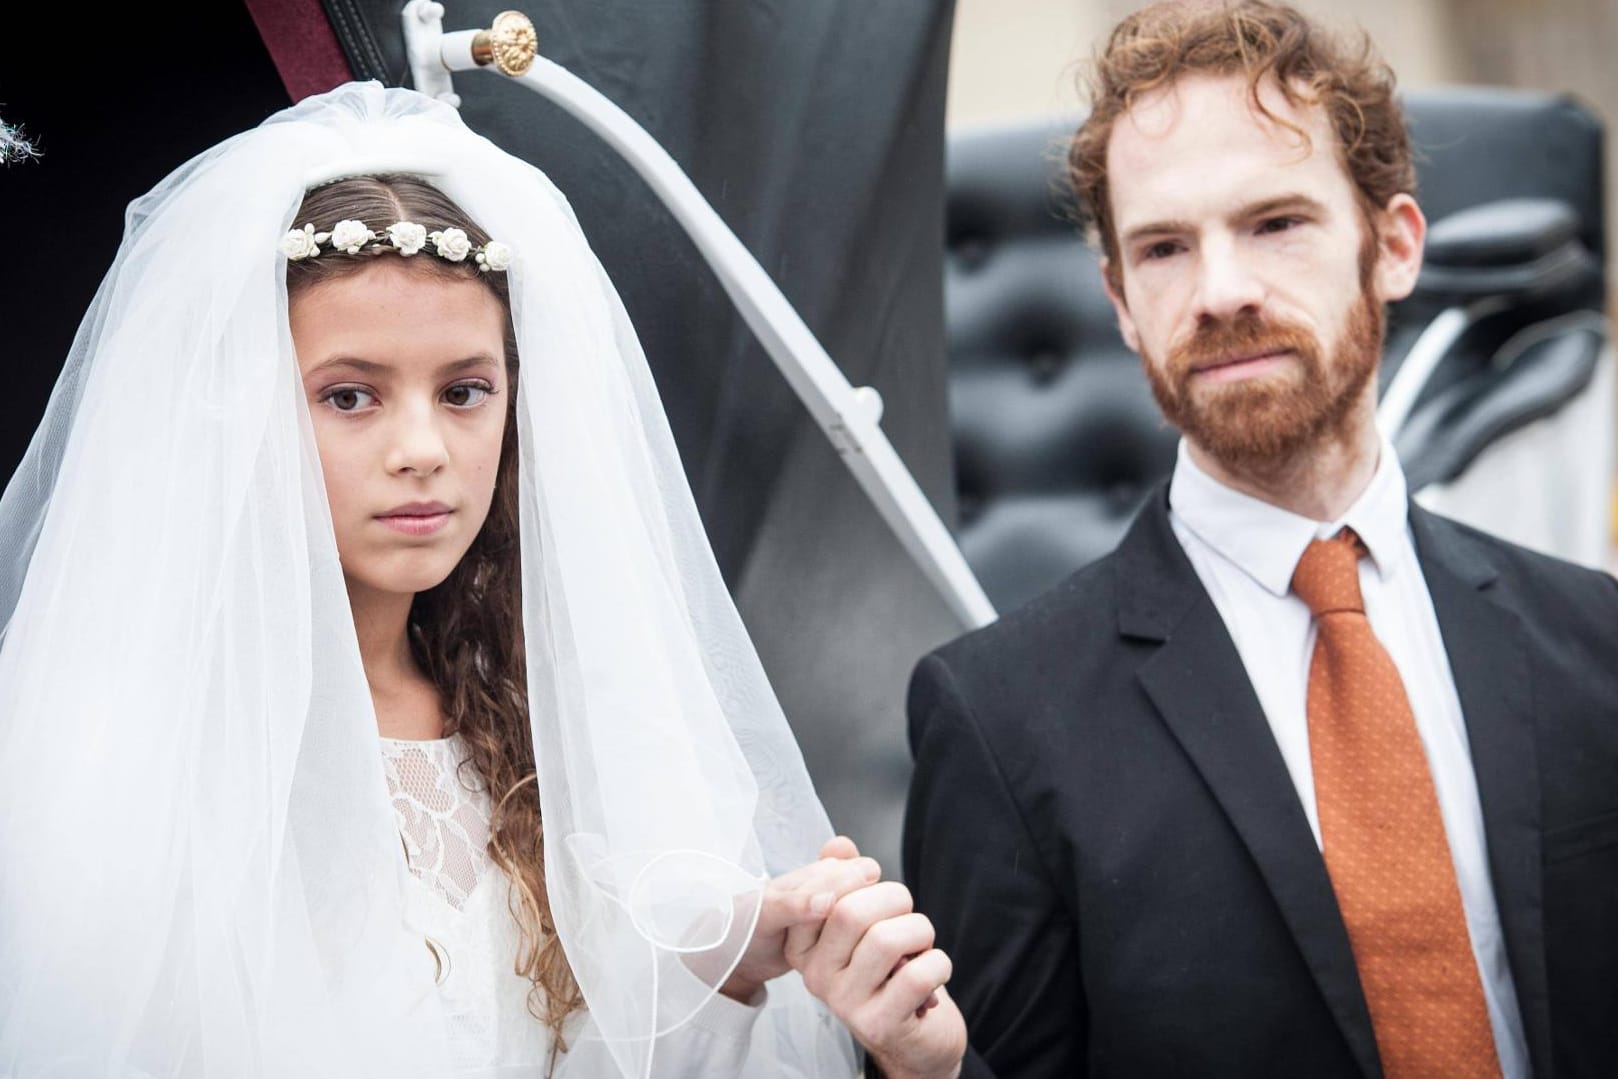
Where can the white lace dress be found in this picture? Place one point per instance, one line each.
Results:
(470, 939)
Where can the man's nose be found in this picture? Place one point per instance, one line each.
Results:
(1228, 285)
(416, 444)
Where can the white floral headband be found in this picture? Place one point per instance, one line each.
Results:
(405, 237)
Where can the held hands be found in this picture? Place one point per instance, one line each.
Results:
(864, 950)
(797, 901)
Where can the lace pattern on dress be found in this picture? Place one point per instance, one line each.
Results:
(443, 814)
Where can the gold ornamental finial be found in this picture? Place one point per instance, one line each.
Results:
(510, 44)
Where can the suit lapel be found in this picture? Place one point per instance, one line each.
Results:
(1199, 686)
(1493, 679)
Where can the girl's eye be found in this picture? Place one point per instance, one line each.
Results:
(467, 394)
(348, 398)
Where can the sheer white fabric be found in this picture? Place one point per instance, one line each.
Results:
(460, 905)
(443, 812)
(203, 872)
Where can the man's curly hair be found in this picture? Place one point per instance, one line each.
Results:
(1261, 42)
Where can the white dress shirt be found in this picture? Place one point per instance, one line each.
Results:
(1244, 551)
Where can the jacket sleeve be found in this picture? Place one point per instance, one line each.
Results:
(974, 867)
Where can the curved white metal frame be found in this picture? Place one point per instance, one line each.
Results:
(1425, 354)
(848, 415)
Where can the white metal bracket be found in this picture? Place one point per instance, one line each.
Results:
(424, 36)
(848, 416)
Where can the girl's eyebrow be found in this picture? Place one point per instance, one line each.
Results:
(481, 359)
(372, 367)
(364, 367)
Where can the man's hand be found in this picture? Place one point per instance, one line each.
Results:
(873, 962)
(799, 899)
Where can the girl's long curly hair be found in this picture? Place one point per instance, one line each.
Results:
(466, 633)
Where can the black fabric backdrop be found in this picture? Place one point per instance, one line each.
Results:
(816, 130)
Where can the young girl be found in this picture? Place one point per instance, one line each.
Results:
(408, 476)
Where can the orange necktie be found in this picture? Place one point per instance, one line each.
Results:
(1384, 840)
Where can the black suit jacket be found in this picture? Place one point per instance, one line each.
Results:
(1103, 831)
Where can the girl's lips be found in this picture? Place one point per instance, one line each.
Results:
(422, 519)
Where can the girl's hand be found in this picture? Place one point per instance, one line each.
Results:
(799, 899)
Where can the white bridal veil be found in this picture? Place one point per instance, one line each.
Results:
(200, 871)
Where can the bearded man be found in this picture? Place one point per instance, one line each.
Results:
(1300, 780)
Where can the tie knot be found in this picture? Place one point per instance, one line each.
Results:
(1328, 574)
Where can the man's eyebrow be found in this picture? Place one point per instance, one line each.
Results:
(1261, 208)
(1294, 201)
(1156, 228)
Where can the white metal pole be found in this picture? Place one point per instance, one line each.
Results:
(849, 416)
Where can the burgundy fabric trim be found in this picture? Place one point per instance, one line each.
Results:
(302, 45)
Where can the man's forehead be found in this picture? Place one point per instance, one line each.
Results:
(1200, 149)
(1213, 112)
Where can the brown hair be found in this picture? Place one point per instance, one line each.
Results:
(1257, 40)
(466, 633)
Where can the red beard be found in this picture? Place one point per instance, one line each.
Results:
(1259, 423)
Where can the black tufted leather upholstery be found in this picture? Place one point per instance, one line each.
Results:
(1057, 437)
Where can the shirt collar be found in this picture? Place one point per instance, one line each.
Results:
(1266, 541)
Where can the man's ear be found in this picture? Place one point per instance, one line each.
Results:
(1401, 230)
(1113, 283)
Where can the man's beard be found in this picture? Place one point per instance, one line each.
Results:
(1258, 424)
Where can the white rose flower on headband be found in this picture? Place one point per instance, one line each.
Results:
(350, 236)
(452, 244)
(407, 237)
(494, 256)
(302, 243)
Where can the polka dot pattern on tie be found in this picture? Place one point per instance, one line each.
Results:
(1383, 837)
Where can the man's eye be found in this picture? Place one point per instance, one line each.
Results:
(1161, 250)
(348, 398)
(1278, 224)
(467, 394)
